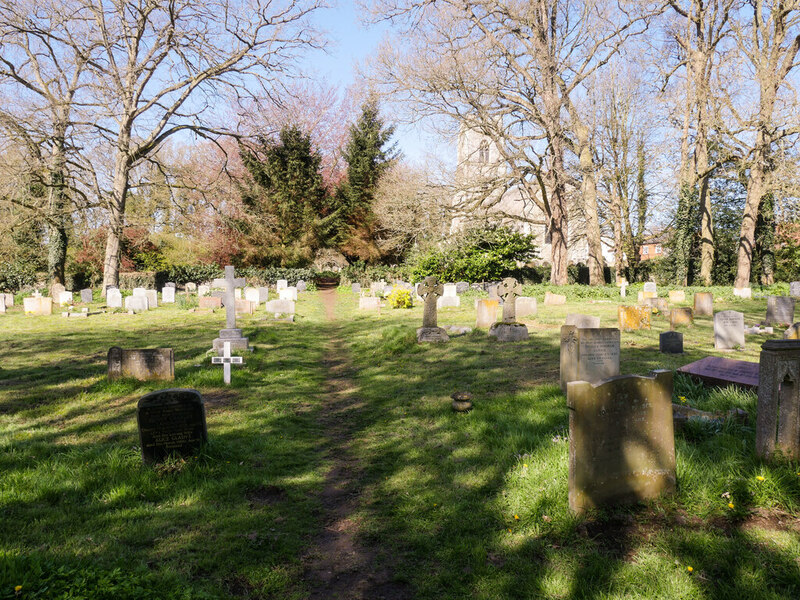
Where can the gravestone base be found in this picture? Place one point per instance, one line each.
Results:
(509, 332)
(234, 336)
(432, 334)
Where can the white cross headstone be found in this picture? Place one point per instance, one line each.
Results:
(226, 360)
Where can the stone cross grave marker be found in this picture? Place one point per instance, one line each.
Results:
(703, 304)
(508, 290)
(780, 310)
(588, 354)
(621, 440)
(171, 421)
(230, 333)
(226, 360)
(728, 330)
(778, 416)
(430, 290)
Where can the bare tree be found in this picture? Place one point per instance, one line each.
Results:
(164, 66)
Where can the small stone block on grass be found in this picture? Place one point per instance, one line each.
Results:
(171, 421)
(153, 364)
(621, 440)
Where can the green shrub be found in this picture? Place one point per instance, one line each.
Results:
(182, 274)
(134, 279)
(16, 275)
(400, 298)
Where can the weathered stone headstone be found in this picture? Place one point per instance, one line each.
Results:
(251, 295)
(283, 307)
(245, 307)
(651, 287)
(152, 298)
(369, 303)
(355, 288)
(139, 291)
(461, 287)
(56, 289)
(237, 293)
(778, 420)
(582, 321)
(190, 286)
(448, 302)
(154, 364)
(113, 298)
(203, 290)
(212, 302)
(491, 289)
(37, 305)
(780, 310)
(670, 342)
(792, 333)
(660, 305)
(86, 296)
(621, 440)
(263, 294)
(743, 292)
(509, 330)
(487, 312)
(301, 286)
(137, 303)
(623, 290)
(588, 354)
(632, 318)
(677, 296)
(2, 303)
(231, 333)
(168, 294)
(716, 371)
(9, 299)
(681, 316)
(65, 298)
(703, 304)
(171, 421)
(430, 291)
(526, 306)
(288, 293)
(281, 284)
(449, 289)
(794, 289)
(728, 330)
(554, 299)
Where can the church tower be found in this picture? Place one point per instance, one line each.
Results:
(478, 156)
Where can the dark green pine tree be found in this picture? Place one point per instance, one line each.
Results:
(368, 155)
(288, 210)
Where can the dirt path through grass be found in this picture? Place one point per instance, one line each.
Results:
(338, 564)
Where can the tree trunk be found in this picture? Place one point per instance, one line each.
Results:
(116, 224)
(57, 209)
(755, 190)
(616, 225)
(559, 218)
(706, 222)
(589, 192)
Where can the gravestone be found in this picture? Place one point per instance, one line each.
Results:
(582, 321)
(152, 298)
(651, 287)
(448, 302)
(743, 292)
(508, 330)
(55, 291)
(2, 303)
(588, 354)
(643, 296)
(794, 289)
(263, 294)
(554, 299)
(778, 420)
(681, 316)
(231, 333)
(449, 289)
(168, 294)
(281, 284)
(113, 298)
(430, 291)
(251, 295)
(355, 288)
(623, 290)
(621, 440)
(369, 303)
(301, 286)
(526, 306)
(237, 293)
(676, 296)
(461, 287)
(703, 304)
(487, 312)
(171, 421)
(792, 333)
(170, 284)
(716, 371)
(780, 310)
(154, 364)
(491, 289)
(137, 303)
(281, 307)
(728, 330)
(64, 298)
(9, 299)
(288, 293)
(211, 302)
(376, 287)
(226, 360)
(139, 291)
(633, 318)
(660, 305)
(86, 296)
(245, 307)
(190, 286)
(670, 342)
(203, 290)
(37, 305)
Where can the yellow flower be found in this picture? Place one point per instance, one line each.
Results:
(434, 503)
(730, 504)
(509, 531)
(760, 477)
(516, 517)
(525, 466)
(690, 569)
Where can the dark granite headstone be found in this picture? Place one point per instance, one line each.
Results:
(670, 342)
(621, 440)
(171, 421)
(778, 420)
(152, 364)
(721, 372)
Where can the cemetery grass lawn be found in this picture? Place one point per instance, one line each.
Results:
(455, 505)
